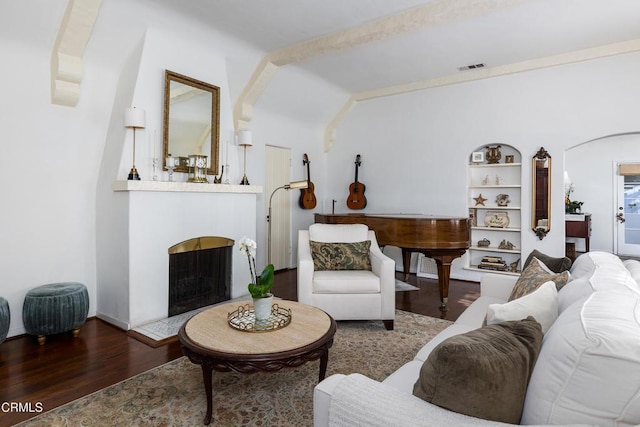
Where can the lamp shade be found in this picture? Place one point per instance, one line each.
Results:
(245, 138)
(298, 185)
(134, 118)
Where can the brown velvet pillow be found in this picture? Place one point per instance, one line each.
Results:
(557, 265)
(341, 256)
(483, 373)
(534, 276)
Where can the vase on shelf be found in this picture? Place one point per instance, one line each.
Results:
(262, 307)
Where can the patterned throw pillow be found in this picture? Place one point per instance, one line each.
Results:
(534, 276)
(341, 256)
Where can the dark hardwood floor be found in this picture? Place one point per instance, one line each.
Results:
(64, 369)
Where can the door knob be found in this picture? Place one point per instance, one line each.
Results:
(620, 218)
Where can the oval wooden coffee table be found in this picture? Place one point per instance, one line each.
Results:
(208, 340)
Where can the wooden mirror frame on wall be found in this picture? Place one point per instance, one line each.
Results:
(191, 121)
(541, 189)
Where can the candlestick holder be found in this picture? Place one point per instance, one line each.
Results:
(155, 169)
(226, 180)
(171, 163)
(134, 119)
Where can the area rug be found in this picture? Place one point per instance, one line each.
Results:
(404, 286)
(173, 394)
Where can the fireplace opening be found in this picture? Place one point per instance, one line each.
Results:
(199, 273)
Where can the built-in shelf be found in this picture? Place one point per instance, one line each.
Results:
(494, 165)
(483, 270)
(494, 249)
(498, 208)
(495, 186)
(495, 228)
(192, 187)
(493, 183)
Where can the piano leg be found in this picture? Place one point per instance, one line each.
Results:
(443, 264)
(444, 272)
(406, 262)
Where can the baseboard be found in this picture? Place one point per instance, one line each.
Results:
(113, 321)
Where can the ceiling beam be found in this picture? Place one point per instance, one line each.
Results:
(435, 13)
(68, 49)
(478, 74)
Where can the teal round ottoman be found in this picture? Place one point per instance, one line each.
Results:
(55, 308)
(5, 319)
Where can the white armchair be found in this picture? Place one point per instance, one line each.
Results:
(347, 294)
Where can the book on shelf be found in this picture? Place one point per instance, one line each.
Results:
(498, 267)
(492, 259)
(495, 263)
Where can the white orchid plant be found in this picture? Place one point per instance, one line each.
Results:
(260, 286)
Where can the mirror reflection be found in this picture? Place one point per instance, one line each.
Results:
(191, 121)
(541, 187)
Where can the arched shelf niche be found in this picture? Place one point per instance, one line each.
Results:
(494, 178)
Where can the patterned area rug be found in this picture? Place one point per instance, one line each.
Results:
(173, 394)
(403, 286)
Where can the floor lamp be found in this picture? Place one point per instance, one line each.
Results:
(290, 186)
(135, 119)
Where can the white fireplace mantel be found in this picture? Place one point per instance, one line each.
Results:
(190, 187)
(142, 219)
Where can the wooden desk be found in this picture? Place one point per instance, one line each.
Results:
(580, 229)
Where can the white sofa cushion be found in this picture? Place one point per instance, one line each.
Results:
(573, 292)
(583, 266)
(589, 368)
(345, 282)
(475, 315)
(597, 271)
(634, 269)
(361, 401)
(542, 304)
(346, 233)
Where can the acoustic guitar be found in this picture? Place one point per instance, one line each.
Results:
(307, 197)
(356, 199)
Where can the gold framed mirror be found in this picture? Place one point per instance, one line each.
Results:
(191, 121)
(541, 189)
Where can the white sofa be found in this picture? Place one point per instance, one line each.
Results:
(587, 372)
(347, 294)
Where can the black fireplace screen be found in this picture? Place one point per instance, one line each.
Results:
(199, 273)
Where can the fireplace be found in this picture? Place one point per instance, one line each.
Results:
(199, 273)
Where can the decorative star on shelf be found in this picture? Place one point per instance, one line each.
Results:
(480, 200)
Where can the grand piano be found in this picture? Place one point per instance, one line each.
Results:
(441, 238)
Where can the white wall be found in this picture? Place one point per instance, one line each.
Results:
(415, 146)
(293, 113)
(50, 162)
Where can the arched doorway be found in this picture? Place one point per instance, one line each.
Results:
(592, 169)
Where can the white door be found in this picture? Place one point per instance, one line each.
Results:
(278, 226)
(628, 210)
